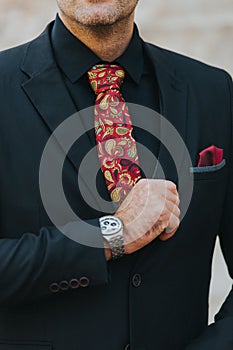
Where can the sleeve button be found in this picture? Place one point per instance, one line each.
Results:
(54, 287)
(64, 285)
(74, 283)
(84, 282)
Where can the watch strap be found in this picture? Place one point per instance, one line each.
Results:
(117, 246)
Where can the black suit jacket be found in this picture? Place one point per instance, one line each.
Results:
(154, 299)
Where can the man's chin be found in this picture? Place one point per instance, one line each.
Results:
(97, 20)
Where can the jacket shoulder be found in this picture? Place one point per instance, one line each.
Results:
(187, 67)
(12, 59)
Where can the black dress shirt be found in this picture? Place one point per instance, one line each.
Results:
(74, 59)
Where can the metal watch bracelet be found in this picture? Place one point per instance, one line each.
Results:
(117, 247)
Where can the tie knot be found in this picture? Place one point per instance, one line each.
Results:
(104, 77)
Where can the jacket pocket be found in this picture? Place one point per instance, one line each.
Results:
(208, 172)
(24, 345)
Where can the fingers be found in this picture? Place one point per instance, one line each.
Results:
(157, 183)
(172, 209)
(166, 188)
(150, 210)
(172, 227)
(171, 186)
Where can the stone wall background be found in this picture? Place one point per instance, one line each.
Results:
(202, 29)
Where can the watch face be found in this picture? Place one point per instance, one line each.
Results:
(110, 225)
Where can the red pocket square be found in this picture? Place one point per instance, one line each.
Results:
(210, 156)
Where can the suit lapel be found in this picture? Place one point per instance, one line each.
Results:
(47, 92)
(173, 107)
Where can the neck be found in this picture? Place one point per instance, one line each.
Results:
(107, 42)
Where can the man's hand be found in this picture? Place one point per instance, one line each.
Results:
(150, 210)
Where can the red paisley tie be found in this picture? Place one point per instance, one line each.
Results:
(116, 147)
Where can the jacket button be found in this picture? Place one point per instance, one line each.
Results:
(84, 282)
(74, 283)
(64, 285)
(54, 287)
(136, 280)
(127, 347)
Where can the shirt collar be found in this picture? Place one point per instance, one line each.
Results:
(75, 58)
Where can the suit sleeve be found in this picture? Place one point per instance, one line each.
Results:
(38, 265)
(219, 335)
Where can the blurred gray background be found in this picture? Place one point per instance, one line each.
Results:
(202, 29)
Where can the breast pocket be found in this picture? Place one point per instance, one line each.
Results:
(208, 172)
(207, 203)
(210, 185)
(21, 345)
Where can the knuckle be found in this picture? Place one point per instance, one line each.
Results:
(171, 185)
(177, 222)
(175, 210)
(178, 212)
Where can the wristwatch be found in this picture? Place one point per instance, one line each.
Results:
(112, 231)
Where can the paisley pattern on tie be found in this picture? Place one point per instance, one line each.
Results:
(116, 147)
